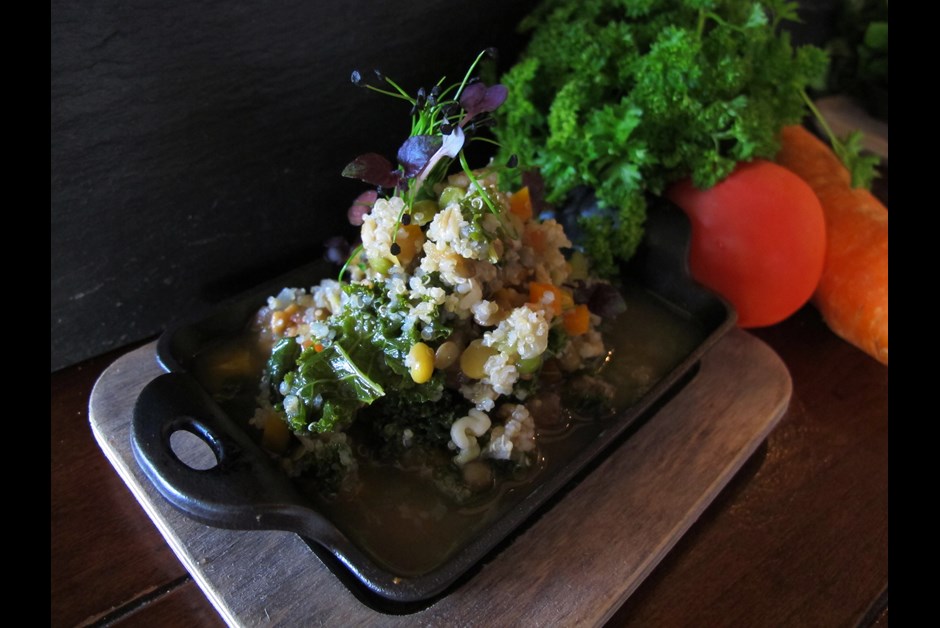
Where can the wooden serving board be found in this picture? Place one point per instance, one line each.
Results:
(574, 565)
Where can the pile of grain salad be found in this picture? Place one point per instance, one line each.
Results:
(442, 345)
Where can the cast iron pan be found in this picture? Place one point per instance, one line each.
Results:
(244, 490)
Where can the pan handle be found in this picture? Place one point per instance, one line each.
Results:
(662, 263)
(243, 490)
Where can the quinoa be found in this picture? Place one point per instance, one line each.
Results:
(465, 283)
(441, 324)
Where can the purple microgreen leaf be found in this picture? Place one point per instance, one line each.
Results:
(415, 153)
(420, 101)
(477, 98)
(374, 169)
(361, 206)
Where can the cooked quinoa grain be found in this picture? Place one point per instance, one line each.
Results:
(460, 306)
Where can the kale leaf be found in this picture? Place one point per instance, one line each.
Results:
(322, 388)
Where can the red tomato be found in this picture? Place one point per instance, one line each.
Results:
(758, 239)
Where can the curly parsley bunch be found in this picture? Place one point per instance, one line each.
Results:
(628, 96)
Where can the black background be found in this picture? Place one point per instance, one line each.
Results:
(197, 146)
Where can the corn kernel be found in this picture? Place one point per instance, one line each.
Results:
(421, 362)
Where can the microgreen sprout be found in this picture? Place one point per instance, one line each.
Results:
(443, 120)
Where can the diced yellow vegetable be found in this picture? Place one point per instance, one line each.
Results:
(520, 204)
(421, 362)
(410, 239)
(276, 434)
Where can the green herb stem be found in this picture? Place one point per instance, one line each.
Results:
(352, 256)
(860, 167)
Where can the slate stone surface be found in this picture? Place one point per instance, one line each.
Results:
(197, 146)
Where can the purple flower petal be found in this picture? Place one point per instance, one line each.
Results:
(453, 142)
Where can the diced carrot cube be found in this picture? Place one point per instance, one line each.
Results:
(520, 203)
(577, 320)
(534, 238)
(410, 239)
(538, 292)
(276, 434)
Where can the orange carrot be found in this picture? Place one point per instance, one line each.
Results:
(577, 320)
(852, 295)
(535, 238)
(520, 203)
(537, 293)
(276, 434)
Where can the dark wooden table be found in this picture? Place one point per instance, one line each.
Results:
(798, 538)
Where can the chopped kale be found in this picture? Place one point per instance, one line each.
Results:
(283, 359)
(321, 389)
(400, 422)
(329, 462)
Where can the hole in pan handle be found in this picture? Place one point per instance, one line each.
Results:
(242, 490)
